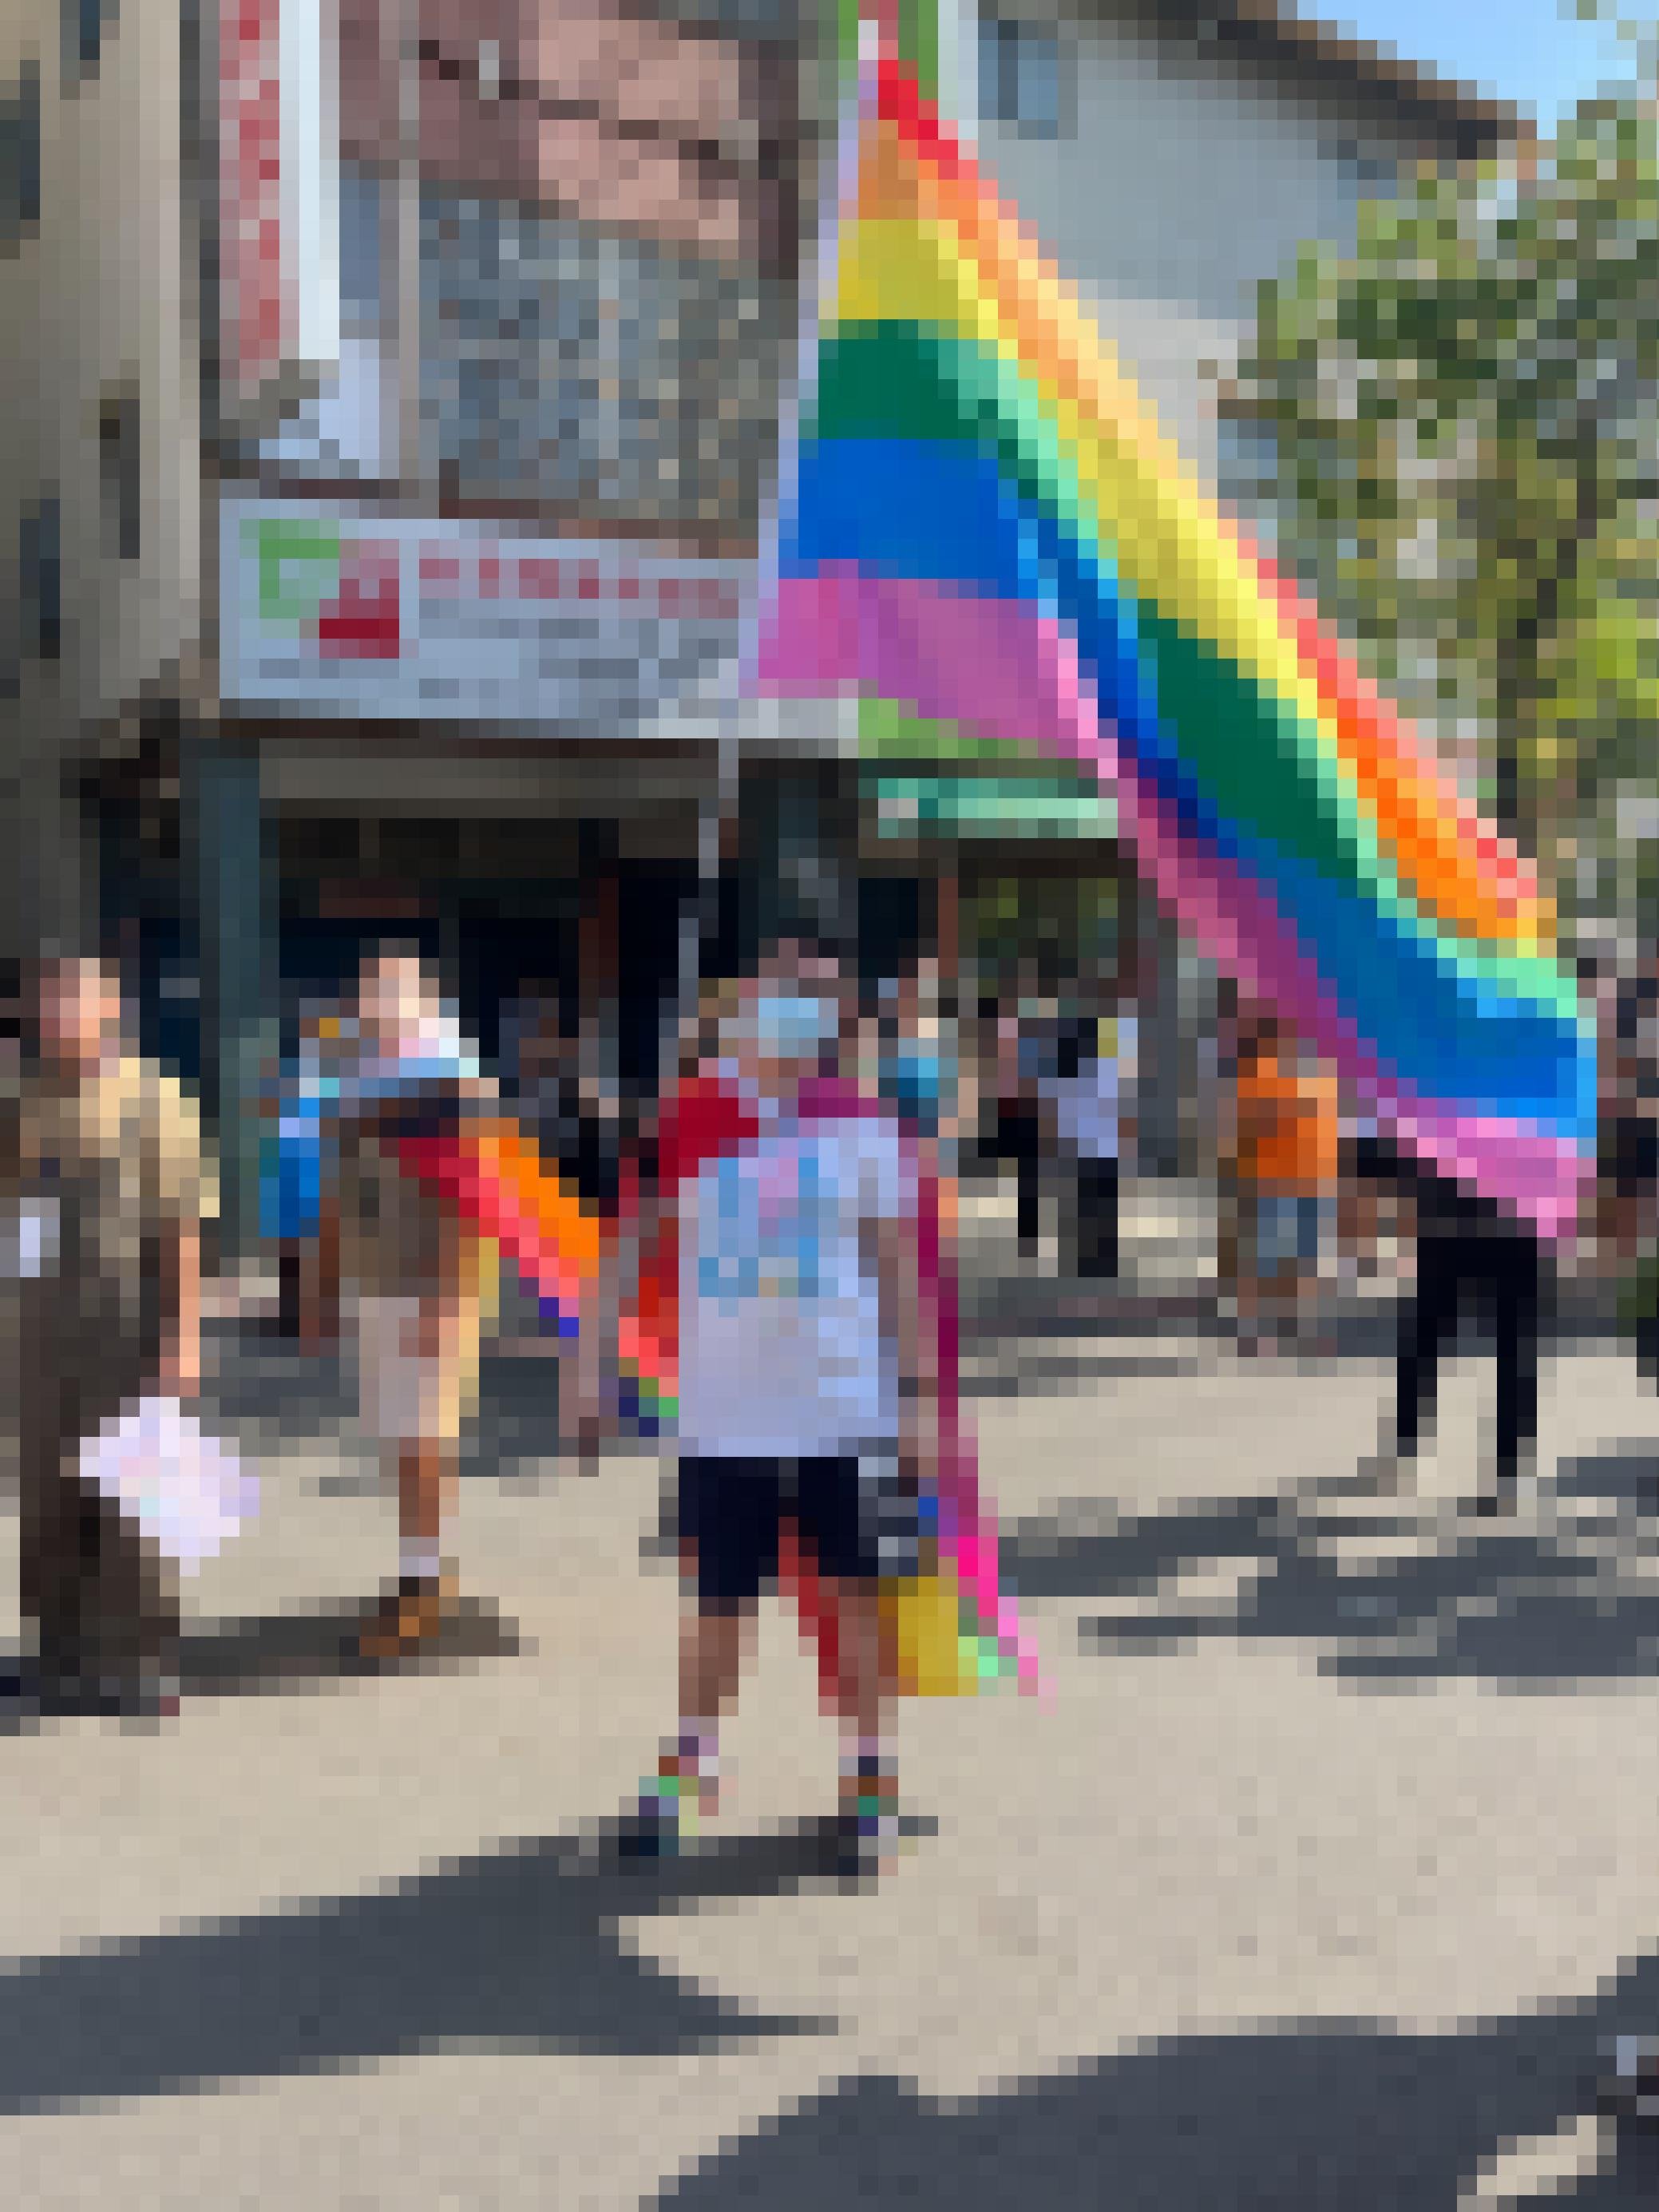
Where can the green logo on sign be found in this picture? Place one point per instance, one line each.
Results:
(298, 570)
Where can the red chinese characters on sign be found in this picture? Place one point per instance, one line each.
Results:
(256, 317)
(379, 615)
(362, 621)
(545, 579)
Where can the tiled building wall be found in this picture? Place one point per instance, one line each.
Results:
(592, 370)
(608, 215)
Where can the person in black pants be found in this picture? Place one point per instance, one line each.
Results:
(1097, 1208)
(1471, 1253)
(1023, 1052)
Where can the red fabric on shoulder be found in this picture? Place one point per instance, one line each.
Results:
(698, 1121)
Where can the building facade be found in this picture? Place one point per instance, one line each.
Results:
(384, 488)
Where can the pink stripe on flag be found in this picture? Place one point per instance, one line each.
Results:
(1539, 1175)
(1002, 671)
(998, 669)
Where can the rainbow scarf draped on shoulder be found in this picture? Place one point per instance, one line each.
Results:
(953, 1626)
(982, 528)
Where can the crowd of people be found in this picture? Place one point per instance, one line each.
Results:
(798, 1179)
(796, 1218)
(801, 1369)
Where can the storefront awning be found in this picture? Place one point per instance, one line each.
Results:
(911, 808)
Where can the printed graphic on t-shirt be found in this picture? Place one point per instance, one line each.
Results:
(773, 1214)
(782, 1345)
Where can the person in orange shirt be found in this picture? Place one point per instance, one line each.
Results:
(1285, 1146)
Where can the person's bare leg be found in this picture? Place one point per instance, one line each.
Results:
(713, 1644)
(415, 1612)
(869, 1775)
(426, 1485)
(319, 1284)
(713, 1648)
(582, 1366)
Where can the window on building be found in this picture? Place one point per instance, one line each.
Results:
(120, 471)
(84, 24)
(19, 160)
(578, 368)
(1367, 173)
(1019, 76)
(1249, 453)
(362, 249)
(41, 580)
(1248, 469)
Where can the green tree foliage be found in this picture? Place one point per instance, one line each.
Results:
(1465, 419)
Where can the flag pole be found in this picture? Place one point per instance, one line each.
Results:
(719, 809)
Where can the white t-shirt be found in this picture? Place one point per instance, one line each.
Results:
(782, 1351)
(1088, 1106)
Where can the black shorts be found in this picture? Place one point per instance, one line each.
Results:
(730, 1512)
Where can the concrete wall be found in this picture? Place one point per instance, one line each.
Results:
(574, 102)
(1174, 188)
(100, 300)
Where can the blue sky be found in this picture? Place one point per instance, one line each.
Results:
(1525, 50)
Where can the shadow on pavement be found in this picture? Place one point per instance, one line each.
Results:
(518, 1951)
(259, 1385)
(1541, 1609)
(1330, 2117)
(1035, 1373)
(278, 1653)
(286, 1651)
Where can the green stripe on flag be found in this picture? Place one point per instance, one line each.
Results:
(844, 19)
(918, 28)
(888, 732)
(1258, 758)
(918, 37)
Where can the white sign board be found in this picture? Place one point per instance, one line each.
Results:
(365, 617)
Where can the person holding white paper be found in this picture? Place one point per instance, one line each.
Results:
(111, 1189)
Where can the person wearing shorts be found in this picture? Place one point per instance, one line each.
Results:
(803, 1396)
(1286, 1157)
(1290, 1231)
(415, 1275)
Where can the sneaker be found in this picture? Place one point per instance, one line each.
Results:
(668, 1817)
(651, 1831)
(866, 1828)
(409, 1621)
(863, 1847)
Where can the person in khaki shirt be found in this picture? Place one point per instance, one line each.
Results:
(413, 1274)
(111, 1191)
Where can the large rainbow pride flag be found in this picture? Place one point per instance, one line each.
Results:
(982, 527)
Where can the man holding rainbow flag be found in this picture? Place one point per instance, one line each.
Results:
(808, 1388)
(980, 527)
